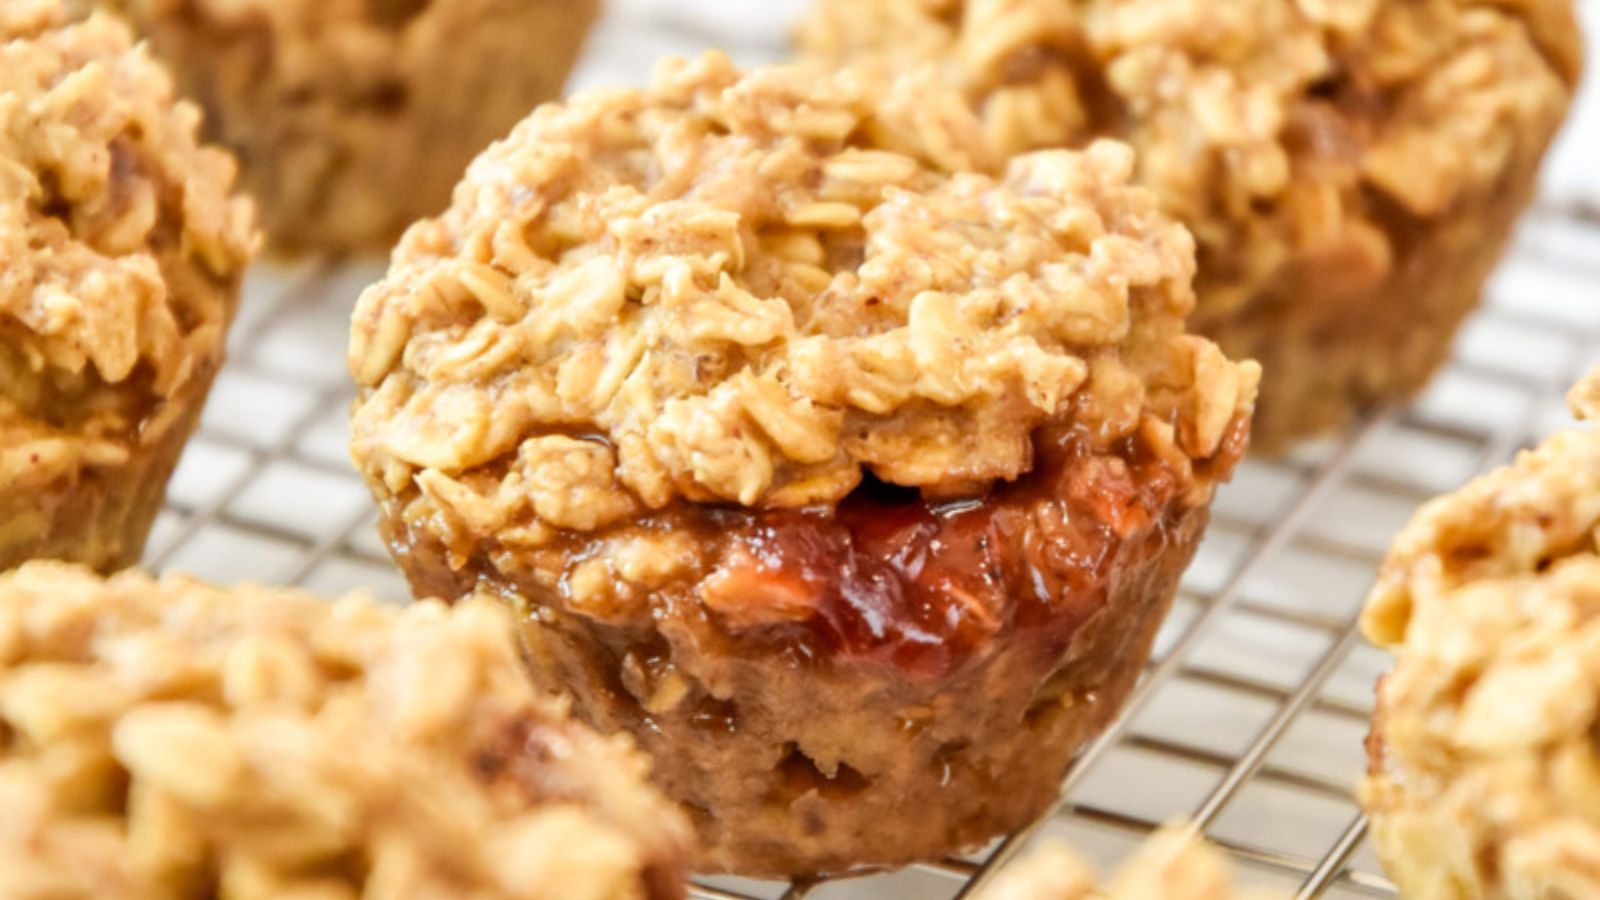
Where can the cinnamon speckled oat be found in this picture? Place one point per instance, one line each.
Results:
(166, 739)
(122, 248)
(1350, 168)
(353, 118)
(1485, 776)
(839, 472)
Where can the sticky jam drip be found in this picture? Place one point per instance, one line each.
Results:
(922, 586)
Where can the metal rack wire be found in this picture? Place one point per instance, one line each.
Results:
(1248, 720)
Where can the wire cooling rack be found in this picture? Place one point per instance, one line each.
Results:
(1250, 718)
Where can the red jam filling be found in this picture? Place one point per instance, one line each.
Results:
(922, 586)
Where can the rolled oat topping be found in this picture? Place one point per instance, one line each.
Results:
(1485, 778)
(749, 289)
(121, 248)
(167, 739)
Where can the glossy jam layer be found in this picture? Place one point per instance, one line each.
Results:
(923, 586)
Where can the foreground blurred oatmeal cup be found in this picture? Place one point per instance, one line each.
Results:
(1484, 777)
(854, 487)
(165, 739)
(122, 249)
(1351, 169)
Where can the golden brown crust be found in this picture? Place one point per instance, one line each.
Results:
(750, 288)
(355, 117)
(1329, 156)
(1485, 778)
(123, 250)
(168, 739)
(1172, 864)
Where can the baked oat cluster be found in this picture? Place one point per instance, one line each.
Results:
(1172, 864)
(353, 118)
(1329, 156)
(837, 471)
(751, 289)
(1485, 774)
(122, 248)
(167, 739)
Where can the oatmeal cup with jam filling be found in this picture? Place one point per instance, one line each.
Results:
(1351, 169)
(122, 249)
(852, 482)
(163, 738)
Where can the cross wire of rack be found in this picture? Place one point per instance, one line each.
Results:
(1250, 718)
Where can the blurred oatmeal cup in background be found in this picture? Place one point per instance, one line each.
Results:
(123, 247)
(1351, 170)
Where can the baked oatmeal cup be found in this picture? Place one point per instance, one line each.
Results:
(1484, 776)
(122, 248)
(1351, 169)
(851, 482)
(170, 739)
(353, 118)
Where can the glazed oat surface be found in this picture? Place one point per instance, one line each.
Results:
(166, 738)
(752, 288)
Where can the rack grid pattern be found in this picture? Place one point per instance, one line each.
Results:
(1250, 718)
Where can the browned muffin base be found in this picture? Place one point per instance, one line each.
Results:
(101, 515)
(822, 770)
(878, 725)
